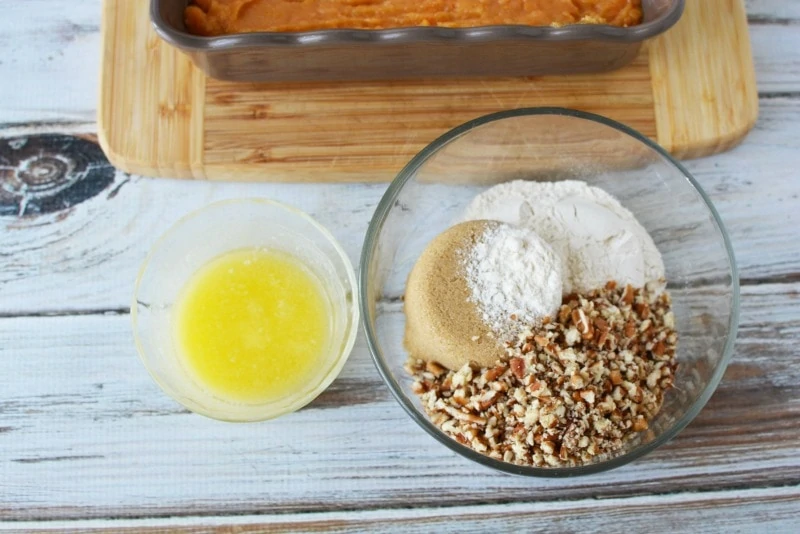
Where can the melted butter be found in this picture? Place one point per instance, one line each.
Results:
(253, 325)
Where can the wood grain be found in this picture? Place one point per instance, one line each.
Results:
(152, 89)
(716, 511)
(366, 131)
(713, 103)
(49, 63)
(86, 258)
(773, 12)
(93, 438)
(76, 422)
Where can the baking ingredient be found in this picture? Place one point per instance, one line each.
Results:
(253, 325)
(596, 237)
(442, 322)
(572, 391)
(513, 276)
(219, 17)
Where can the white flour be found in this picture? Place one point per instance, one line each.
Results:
(596, 238)
(513, 276)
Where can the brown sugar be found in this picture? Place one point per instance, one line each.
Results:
(220, 17)
(442, 324)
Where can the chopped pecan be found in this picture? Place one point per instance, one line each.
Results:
(517, 367)
(574, 388)
(435, 368)
(627, 296)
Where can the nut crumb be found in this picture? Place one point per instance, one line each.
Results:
(562, 397)
(518, 367)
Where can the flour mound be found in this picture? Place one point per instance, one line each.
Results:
(595, 237)
(513, 276)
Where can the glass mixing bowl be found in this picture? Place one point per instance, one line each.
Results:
(549, 144)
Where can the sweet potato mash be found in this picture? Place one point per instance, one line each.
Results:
(220, 17)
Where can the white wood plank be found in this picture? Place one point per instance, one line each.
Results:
(755, 190)
(775, 509)
(84, 433)
(773, 10)
(776, 53)
(51, 53)
(56, 44)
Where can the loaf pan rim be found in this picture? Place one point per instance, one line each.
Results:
(418, 34)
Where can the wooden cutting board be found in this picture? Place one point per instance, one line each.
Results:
(693, 90)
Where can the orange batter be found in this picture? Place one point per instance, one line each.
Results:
(220, 17)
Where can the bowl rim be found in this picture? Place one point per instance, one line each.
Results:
(337, 363)
(370, 245)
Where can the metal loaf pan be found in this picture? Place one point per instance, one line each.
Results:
(420, 52)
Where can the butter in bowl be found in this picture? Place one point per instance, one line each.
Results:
(245, 310)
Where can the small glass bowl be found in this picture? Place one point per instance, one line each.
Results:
(206, 234)
(549, 144)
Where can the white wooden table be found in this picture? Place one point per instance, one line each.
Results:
(88, 441)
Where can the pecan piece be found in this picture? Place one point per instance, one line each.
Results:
(627, 296)
(435, 368)
(517, 367)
